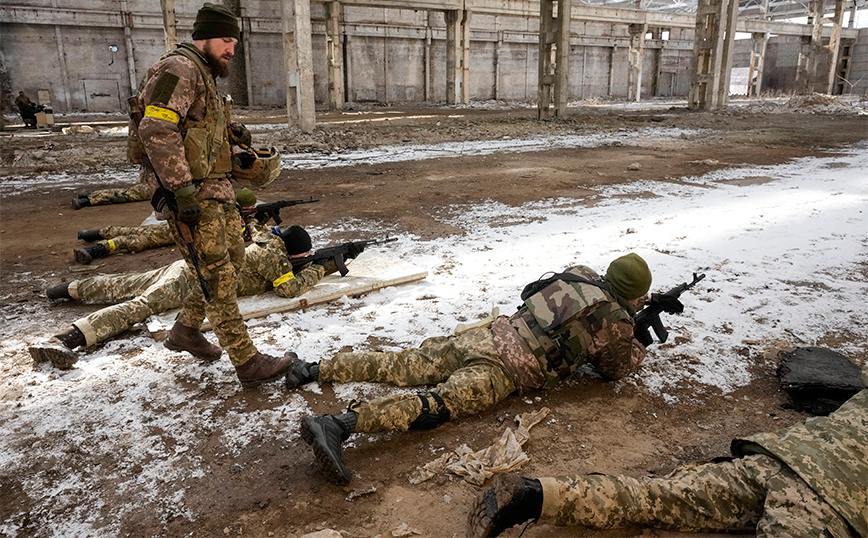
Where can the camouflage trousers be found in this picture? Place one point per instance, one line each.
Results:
(137, 193)
(469, 371)
(143, 295)
(752, 494)
(136, 238)
(220, 248)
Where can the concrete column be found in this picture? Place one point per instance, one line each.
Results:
(757, 61)
(297, 51)
(802, 76)
(427, 59)
(815, 48)
(713, 42)
(246, 30)
(852, 22)
(465, 57)
(127, 19)
(637, 51)
(554, 54)
(498, 52)
(170, 24)
(835, 45)
(335, 55)
(453, 23)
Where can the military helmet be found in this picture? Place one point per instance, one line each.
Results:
(255, 167)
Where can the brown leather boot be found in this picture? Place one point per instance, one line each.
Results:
(183, 338)
(262, 368)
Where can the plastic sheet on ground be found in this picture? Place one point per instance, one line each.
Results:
(504, 456)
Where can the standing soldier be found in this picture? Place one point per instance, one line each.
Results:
(182, 142)
(573, 318)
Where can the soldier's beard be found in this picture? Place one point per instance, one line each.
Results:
(219, 68)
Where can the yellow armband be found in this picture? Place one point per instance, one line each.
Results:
(162, 114)
(284, 278)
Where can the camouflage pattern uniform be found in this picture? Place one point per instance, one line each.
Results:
(182, 139)
(807, 480)
(136, 238)
(146, 294)
(137, 193)
(481, 367)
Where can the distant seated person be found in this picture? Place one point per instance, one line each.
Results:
(810, 480)
(27, 109)
(268, 265)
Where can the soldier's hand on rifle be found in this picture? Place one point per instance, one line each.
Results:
(667, 303)
(189, 210)
(240, 135)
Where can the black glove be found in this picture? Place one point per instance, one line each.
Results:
(239, 135)
(353, 250)
(189, 210)
(667, 303)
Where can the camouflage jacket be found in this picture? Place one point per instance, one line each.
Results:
(566, 324)
(829, 453)
(183, 131)
(266, 267)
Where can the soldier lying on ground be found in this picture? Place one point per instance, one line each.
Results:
(573, 318)
(112, 239)
(266, 267)
(807, 480)
(140, 192)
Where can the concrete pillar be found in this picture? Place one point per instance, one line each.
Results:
(170, 24)
(637, 51)
(812, 50)
(554, 57)
(127, 19)
(453, 24)
(498, 52)
(465, 57)
(713, 42)
(835, 45)
(428, 58)
(757, 61)
(852, 22)
(298, 54)
(335, 56)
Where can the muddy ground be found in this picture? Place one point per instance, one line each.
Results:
(599, 426)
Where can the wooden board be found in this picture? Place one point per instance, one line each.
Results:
(371, 271)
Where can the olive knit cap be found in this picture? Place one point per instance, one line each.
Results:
(629, 276)
(296, 240)
(214, 21)
(245, 197)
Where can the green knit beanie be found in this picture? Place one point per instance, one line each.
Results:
(245, 197)
(214, 21)
(629, 276)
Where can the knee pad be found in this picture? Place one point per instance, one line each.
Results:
(429, 419)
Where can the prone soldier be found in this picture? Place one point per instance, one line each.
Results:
(807, 480)
(576, 317)
(267, 266)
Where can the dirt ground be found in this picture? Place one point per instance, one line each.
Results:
(599, 426)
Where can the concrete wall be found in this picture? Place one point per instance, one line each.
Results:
(391, 55)
(859, 64)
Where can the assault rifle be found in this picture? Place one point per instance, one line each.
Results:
(338, 254)
(649, 317)
(272, 210)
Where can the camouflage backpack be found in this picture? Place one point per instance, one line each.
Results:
(560, 316)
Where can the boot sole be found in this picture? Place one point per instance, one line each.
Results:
(483, 520)
(60, 358)
(168, 344)
(82, 257)
(331, 467)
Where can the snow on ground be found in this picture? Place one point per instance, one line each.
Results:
(783, 248)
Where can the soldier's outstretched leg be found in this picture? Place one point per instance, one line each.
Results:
(325, 434)
(59, 349)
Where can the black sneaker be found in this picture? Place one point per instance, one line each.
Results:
(325, 435)
(511, 500)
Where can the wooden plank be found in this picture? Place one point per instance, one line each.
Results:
(372, 271)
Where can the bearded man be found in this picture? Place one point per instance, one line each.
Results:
(179, 132)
